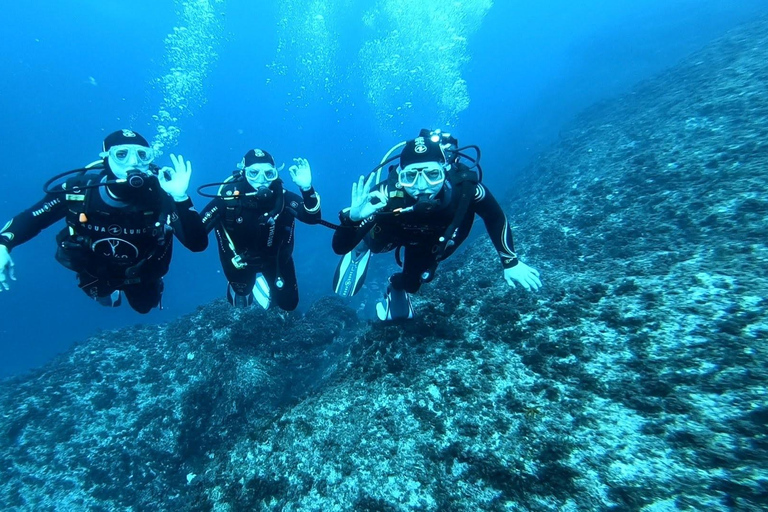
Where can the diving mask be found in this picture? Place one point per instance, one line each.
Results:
(125, 154)
(433, 174)
(130, 162)
(254, 172)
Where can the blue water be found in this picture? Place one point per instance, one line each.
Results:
(295, 82)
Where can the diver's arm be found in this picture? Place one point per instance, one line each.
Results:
(308, 210)
(28, 224)
(349, 233)
(486, 206)
(515, 271)
(359, 218)
(188, 226)
(211, 214)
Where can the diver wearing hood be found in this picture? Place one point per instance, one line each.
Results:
(254, 219)
(121, 214)
(427, 206)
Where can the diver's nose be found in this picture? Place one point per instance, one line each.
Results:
(258, 181)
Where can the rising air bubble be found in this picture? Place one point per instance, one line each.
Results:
(190, 51)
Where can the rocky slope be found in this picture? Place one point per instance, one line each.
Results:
(636, 379)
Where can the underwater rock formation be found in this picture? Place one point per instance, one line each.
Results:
(636, 379)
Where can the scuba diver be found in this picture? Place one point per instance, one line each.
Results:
(254, 218)
(120, 223)
(426, 206)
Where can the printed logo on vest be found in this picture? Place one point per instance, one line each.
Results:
(115, 248)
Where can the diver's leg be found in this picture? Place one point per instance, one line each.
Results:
(240, 286)
(99, 290)
(145, 295)
(283, 286)
(397, 301)
(416, 261)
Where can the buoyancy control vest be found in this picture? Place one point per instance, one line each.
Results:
(87, 219)
(238, 200)
(462, 182)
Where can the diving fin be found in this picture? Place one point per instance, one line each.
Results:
(395, 306)
(261, 291)
(350, 273)
(239, 301)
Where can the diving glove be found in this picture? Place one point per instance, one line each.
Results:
(524, 275)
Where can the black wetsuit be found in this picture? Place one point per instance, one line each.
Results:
(113, 244)
(256, 236)
(419, 232)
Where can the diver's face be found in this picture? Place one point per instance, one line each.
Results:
(422, 180)
(260, 175)
(126, 158)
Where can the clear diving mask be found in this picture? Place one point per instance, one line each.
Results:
(434, 174)
(124, 154)
(253, 172)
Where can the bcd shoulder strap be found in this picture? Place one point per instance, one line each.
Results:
(465, 181)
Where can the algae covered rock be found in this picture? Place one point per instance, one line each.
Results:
(634, 380)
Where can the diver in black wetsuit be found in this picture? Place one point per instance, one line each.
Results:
(254, 219)
(427, 206)
(120, 223)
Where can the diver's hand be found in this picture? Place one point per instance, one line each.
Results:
(528, 277)
(7, 271)
(175, 180)
(362, 198)
(301, 174)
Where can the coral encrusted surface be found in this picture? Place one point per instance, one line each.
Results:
(634, 380)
